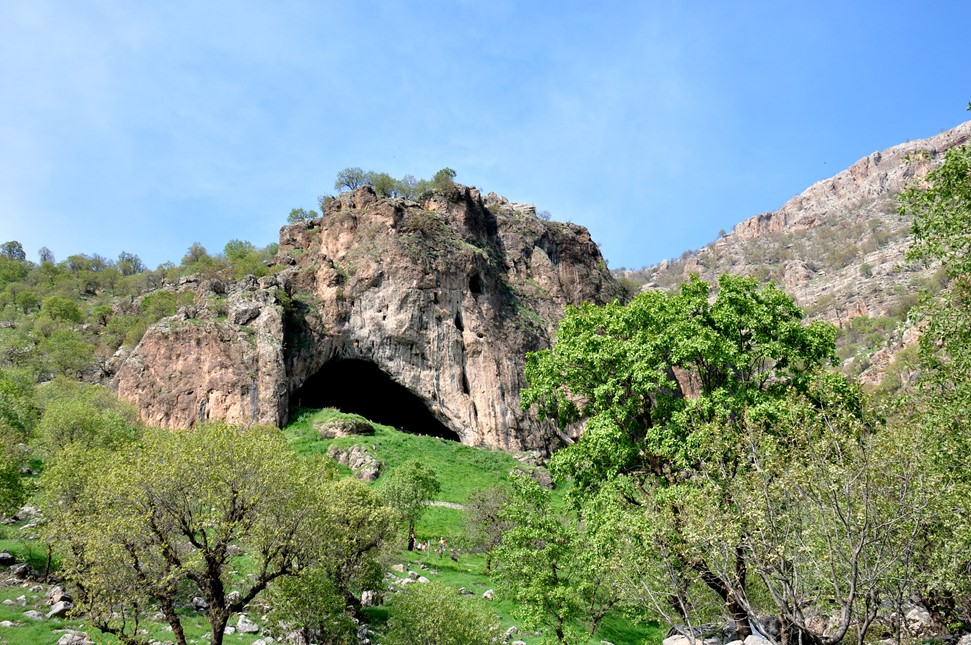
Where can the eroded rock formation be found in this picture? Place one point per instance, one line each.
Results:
(445, 297)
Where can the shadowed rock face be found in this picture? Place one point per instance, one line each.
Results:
(440, 299)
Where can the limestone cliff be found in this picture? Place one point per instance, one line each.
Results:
(444, 297)
(838, 247)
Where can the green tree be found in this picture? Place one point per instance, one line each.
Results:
(88, 415)
(64, 352)
(444, 180)
(350, 178)
(485, 523)
(406, 187)
(61, 309)
(13, 250)
(940, 205)
(434, 614)
(310, 603)
(552, 566)
(406, 488)
(158, 305)
(653, 379)
(129, 264)
(383, 184)
(181, 512)
(300, 215)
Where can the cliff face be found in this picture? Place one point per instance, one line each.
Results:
(839, 247)
(444, 298)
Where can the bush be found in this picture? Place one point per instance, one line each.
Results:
(435, 613)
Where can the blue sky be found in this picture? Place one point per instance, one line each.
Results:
(146, 126)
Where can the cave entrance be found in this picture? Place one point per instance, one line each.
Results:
(362, 388)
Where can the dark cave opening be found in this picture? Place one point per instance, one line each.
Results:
(362, 388)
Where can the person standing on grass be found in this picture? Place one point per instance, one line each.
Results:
(441, 547)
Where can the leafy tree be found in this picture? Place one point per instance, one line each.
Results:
(406, 489)
(444, 180)
(88, 415)
(182, 512)
(484, 520)
(383, 184)
(159, 304)
(430, 613)
(551, 565)
(46, 256)
(102, 313)
(58, 308)
(300, 215)
(350, 178)
(13, 250)
(129, 264)
(27, 301)
(406, 187)
(66, 353)
(652, 380)
(941, 404)
(310, 603)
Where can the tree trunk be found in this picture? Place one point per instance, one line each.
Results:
(173, 620)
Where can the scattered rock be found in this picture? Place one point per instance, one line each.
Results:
(56, 594)
(423, 579)
(33, 614)
(344, 428)
(752, 639)
(6, 558)
(918, 621)
(680, 639)
(199, 603)
(229, 630)
(22, 571)
(7, 623)
(75, 638)
(364, 466)
(400, 568)
(490, 594)
(60, 609)
(369, 598)
(246, 626)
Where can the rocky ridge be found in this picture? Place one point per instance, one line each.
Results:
(839, 247)
(445, 297)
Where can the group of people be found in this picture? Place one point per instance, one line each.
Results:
(416, 545)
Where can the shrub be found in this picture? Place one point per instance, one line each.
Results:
(435, 613)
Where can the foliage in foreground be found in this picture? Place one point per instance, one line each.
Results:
(434, 614)
(177, 514)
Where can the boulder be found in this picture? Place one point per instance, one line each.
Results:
(60, 609)
(246, 626)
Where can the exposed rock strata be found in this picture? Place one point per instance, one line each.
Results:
(445, 297)
(839, 247)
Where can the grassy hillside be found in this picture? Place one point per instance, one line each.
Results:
(461, 470)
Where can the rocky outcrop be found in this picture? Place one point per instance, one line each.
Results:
(839, 247)
(222, 359)
(445, 297)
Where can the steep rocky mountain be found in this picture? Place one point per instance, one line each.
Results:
(415, 314)
(838, 248)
